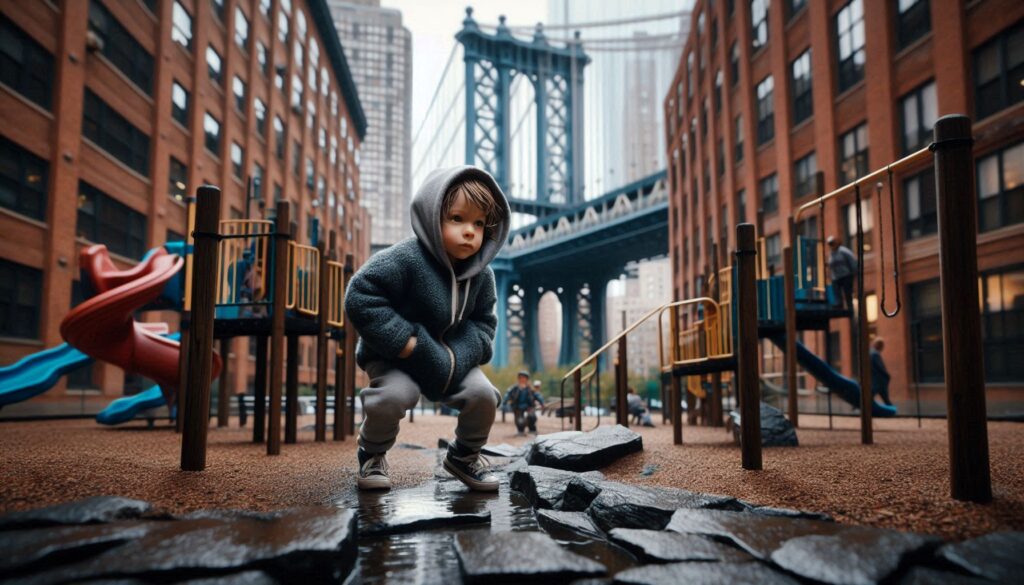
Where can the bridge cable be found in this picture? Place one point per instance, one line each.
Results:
(895, 248)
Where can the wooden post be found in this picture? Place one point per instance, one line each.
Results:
(715, 408)
(277, 314)
(621, 385)
(664, 399)
(864, 361)
(321, 348)
(790, 315)
(339, 389)
(746, 346)
(577, 394)
(351, 335)
(691, 405)
(204, 290)
(259, 409)
(675, 393)
(223, 396)
(183, 372)
(963, 362)
(291, 391)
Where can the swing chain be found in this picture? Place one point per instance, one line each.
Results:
(895, 249)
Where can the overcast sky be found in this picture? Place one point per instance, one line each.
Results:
(434, 24)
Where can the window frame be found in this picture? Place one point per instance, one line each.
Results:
(848, 71)
(20, 321)
(131, 227)
(802, 88)
(765, 111)
(24, 165)
(33, 76)
(924, 135)
(920, 199)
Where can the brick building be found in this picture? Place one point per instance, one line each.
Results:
(112, 110)
(767, 93)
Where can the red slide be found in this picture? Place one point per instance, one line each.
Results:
(104, 327)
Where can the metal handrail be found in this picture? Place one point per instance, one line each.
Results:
(335, 293)
(711, 324)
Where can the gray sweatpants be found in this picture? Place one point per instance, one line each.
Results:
(392, 392)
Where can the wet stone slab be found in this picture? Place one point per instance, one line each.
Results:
(544, 487)
(37, 548)
(88, 511)
(776, 430)
(520, 557)
(786, 512)
(998, 556)
(579, 494)
(759, 535)
(579, 451)
(627, 506)
(577, 522)
(420, 522)
(703, 574)
(659, 546)
(927, 576)
(854, 556)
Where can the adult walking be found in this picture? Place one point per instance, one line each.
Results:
(843, 266)
(879, 374)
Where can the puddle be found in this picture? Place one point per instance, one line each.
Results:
(428, 556)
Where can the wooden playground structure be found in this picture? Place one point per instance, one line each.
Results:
(744, 303)
(250, 278)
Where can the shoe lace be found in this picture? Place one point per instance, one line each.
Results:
(376, 464)
(477, 462)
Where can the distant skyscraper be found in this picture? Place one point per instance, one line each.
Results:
(379, 52)
(648, 284)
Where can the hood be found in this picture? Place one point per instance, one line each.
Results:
(426, 218)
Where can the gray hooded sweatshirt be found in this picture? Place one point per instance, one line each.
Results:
(413, 289)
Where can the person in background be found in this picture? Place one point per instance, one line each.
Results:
(521, 398)
(843, 265)
(879, 374)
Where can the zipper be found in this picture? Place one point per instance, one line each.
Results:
(451, 354)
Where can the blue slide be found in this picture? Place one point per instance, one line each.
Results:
(37, 373)
(125, 408)
(844, 387)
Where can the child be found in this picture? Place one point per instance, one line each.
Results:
(424, 309)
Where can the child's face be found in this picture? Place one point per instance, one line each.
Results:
(462, 230)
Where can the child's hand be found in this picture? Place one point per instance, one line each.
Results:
(409, 346)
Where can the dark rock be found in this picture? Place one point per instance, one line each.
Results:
(23, 549)
(520, 557)
(544, 486)
(503, 450)
(759, 535)
(787, 513)
(926, 576)
(578, 522)
(291, 545)
(88, 511)
(627, 506)
(658, 546)
(244, 578)
(579, 451)
(411, 446)
(776, 430)
(648, 470)
(579, 493)
(853, 556)
(417, 523)
(998, 556)
(702, 574)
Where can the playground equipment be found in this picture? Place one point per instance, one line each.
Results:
(777, 307)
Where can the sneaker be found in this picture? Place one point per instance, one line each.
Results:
(373, 471)
(471, 468)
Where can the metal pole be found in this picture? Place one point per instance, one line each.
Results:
(747, 371)
(321, 347)
(223, 401)
(715, 409)
(863, 359)
(621, 383)
(790, 315)
(675, 392)
(259, 408)
(962, 350)
(577, 393)
(351, 335)
(291, 391)
(280, 288)
(204, 290)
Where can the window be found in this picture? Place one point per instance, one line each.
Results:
(853, 153)
(179, 103)
(322, 138)
(918, 111)
(264, 6)
(919, 192)
(689, 76)
(765, 110)
(310, 178)
(773, 252)
(241, 29)
(257, 182)
(211, 127)
(738, 148)
(104, 220)
(794, 7)
(296, 156)
(177, 180)
(1002, 324)
(181, 26)
(734, 65)
(800, 82)
(111, 132)
(218, 8)
(282, 27)
(926, 331)
(998, 69)
(25, 66)
(912, 21)
(261, 58)
(214, 65)
(719, 79)
(804, 170)
(334, 151)
(741, 206)
(21, 294)
(849, 219)
(704, 120)
(300, 24)
(237, 154)
(768, 188)
(260, 109)
(24, 179)
(296, 93)
(238, 87)
(850, 38)
(121, 48)
(1001, 188)
(758, 23)
(721, 157)
(279, 137)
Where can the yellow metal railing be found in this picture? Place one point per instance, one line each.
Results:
(710, 337)
(303, 279)
(242, 261)
(335, 300)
